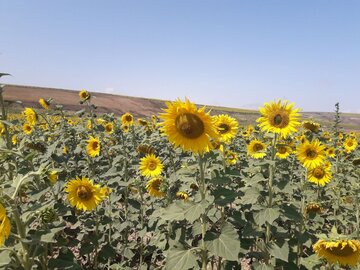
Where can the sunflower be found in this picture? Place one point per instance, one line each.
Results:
(311, 154)
(150, 166)
(153, 186)
(279, 117)
(313, 208)
(27, 128)
(343, 252)
(256, 149)
(326, 136)
(145, 149)
(109, 128)
(283, 151)
(330, 152)
(5, 225)
(89, 124)
(84, 95)
(30, 116)
(83, 194)
(45, 104)
(188, 127)
(65, 150)
(311, 126)
(227, 127)
(127, 119)
(182, 195)
(142, 122)
(341, 136)
(125, 128)
(231, 157)
(93, 147)
(320, 174)
(53, 176)
(14, 139)
(350, 144)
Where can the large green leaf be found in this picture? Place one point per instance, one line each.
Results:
(262, 266)
(184, 210)
(226, 245)
(266, 215)
(180, 259)
(281, 253)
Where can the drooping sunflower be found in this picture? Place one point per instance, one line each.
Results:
(311, 154)
(313, 208)
(53, 176)
(127, 119)
(145, 149)
(279, 117)
(227, 127)
(320, 174)
(142, 122)
(350, 144)
(343, 252)
(283, 151)
(109, 128)
(256, 149)
(188, 127)
(30, 116)
(84, 95)
(27, 128)
(153, 186)
(83, 194)
(150, 166)
(182, 195)
(45, 104)
(311, 126)
(93, 147)
(5, 225)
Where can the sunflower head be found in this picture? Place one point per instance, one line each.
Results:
(5, 225)
(350, 144)
(320, 174)
(330, 152)
(231, 157)
(150, 166)
(188, 127)
(27, 128)
(125, 128)
(53, 176)
(154, 187)
(311, 126)
(145, 149)
(84, 95)
(313, 208)
(279, 117)
(93, 147)
(127, 119)
(182, 195)
(83, 194)
(2, 128)
(311, 154)
(30, 116)
(343, 252)
(14, 139)
(283, 151)
(44, 103)
(227, 127)
(109, 128)
(256, 149)
(142, 122)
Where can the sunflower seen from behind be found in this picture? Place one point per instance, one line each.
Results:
(44, 103)
(188, 127)
(93, 147)
(83, 194)
(150, 166)
(311, 154)
(154, 187)
(256, 149)
(30, 116)
(279, 118)
(343, 252)
(227, 127)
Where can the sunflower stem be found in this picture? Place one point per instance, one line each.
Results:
(97, 240)
(203, 218)
(270, 185)
(299, 252)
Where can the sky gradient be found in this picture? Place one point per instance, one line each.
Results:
(228, 53)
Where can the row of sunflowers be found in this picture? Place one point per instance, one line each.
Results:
(180, 190)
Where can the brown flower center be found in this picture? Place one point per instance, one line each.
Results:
(128, 118)
(342, 251)
(95, 145)
(310, 153)
(258, 147)
(350, 143)
(156, 184)
(84, 193)
(152, 165)
(280, 120)
(319, 173)
(108, 128)
(189, 125)
(223, 128)
(282, 149)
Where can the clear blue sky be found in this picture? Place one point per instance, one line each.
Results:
(231, 53)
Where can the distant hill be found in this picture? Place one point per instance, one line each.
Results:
(144, 107)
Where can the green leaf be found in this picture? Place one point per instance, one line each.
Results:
(180, 259)
(5, 258)
(184, 210)
(224, 196)
(281, 253)
(266, 215)
(291, 212)
(227, 245)
(65, 260)
(262, 266)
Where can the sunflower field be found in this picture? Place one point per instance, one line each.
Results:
(183, 189)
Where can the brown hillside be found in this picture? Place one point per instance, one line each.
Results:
(143, 107)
